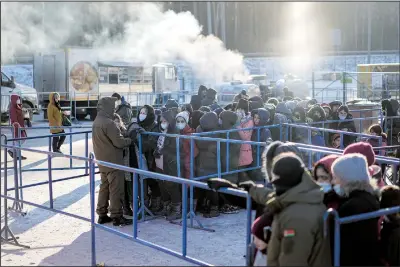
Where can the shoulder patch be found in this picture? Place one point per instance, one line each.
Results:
(289, 233)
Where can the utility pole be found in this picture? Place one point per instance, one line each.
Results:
(209, 21)
(369, 32)
(223, 26)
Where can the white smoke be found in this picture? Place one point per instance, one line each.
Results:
(147, 35)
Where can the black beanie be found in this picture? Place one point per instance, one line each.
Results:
(288, 170)
(243, 104)
(255, 105)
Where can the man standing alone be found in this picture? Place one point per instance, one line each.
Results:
(108, 144)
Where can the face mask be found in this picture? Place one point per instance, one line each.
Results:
(181, 125)
(326, 187)
(164, 125)
(338, 189)
(18, 102)
(118, 102)
(342, 117)
(142, 117)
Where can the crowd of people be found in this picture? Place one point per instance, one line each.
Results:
(290, 200)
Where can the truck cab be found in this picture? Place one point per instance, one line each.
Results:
(28, 96)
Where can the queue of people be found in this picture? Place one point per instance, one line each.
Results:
(290, 200)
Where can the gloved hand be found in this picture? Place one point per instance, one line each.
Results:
(141, 130)
(247, 185)
(217, 183)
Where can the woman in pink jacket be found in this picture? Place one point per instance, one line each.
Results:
(244, 121)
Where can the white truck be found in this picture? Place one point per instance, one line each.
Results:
(82, 78)
(28, 96)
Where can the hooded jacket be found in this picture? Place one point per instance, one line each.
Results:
(149, 142)
(194, 121)
(297, 237)
(229, 119)
(169, 149)
(54, 114)
(347, 126)
(16, 115)
(108, 142)
(207, 158)
(124, 110)
(210, 98)
(283, 109)
(299, 135)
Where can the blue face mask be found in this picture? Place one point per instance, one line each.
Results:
(338, 189)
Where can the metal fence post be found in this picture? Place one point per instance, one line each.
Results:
(92, 208)
(86, 152)
(20, 168)
(50, 176)
(344, 86)
(248, 228)
(70, 147)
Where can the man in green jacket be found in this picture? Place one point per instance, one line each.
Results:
(108, 145)
(297, 207)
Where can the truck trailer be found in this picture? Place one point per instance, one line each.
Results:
(82, 78)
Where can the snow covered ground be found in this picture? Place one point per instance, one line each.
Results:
(60, 240)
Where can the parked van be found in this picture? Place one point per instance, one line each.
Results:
(28, 96)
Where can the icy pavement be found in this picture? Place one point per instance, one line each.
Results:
(61, 240)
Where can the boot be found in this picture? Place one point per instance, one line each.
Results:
(212, 213)
(176, 212)
(156, 206)
(104, 219)
(166, 208)
(121, 221)
(127, 211)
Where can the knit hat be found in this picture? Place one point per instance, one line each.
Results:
(184, 115)
(243, 104)
(363, 148)
(255, 105)
(326, 162)
(195, 101)
(287, 169)
(351, 168)
(171, 103)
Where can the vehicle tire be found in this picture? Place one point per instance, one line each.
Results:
(29, 108)
(93, 114)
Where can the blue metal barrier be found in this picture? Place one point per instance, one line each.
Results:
(350, 219)
(92, 161)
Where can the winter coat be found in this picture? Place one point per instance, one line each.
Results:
(299, 135)
(297, 229)
(265, 135)
(108, 142)
(390, 242)
(186, 148)
(54, 115)
(169, 149)
(194, 121)
(229, 119)
(359, 244)
(124, 110)
(392, 125)
(17, 116)
(375, 143)
(206, 161)
(246, 156)
(149, 142)
(210, 98)
(317, 139)
(350, 126)
(275, 132)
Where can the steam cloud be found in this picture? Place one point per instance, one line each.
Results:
(138, 32)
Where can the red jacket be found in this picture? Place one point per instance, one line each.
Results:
(16, 116)
(186, 148)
